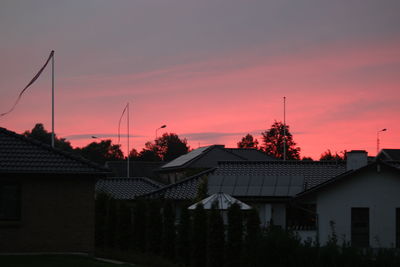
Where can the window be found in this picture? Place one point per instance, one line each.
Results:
(360, 227)
(9, 202)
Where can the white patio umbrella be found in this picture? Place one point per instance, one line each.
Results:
(224, 202)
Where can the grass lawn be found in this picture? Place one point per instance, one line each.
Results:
(54, 261)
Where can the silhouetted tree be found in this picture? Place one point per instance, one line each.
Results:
(133, 154)
(307, 159)
(252, 240)
(39, 133)
(234, 236)
(168, 233)
(273, 140)
(184, 244)
(248, 142)
(216, 238)
(167, 147)
(327, 155)
(149, 153)
(199, 237)
(101, 152)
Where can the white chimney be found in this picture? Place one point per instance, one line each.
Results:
(356, 159)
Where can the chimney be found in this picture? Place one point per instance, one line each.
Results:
(356, 159)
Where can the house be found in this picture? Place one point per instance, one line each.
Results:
(205, 158)
(389, 154)
(127, 188)
(361, 206)
(268, 186)
(46, 197)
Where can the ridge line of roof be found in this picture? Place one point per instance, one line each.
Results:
(180, 182)
(53, 150)
(282, 162)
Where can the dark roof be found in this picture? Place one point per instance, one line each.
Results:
(314, 172)
(126, 188)
(250, 154)
(185, 189)
(136, 168)
(251, 186)
(244, 154)
(389, 154)
(345, 176)
(19, 154)
(256, 179)
(185, 160)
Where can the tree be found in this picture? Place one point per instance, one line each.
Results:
(199, 237)
(248, 142)
(274, 139)
(327, 155)
(167, 147)
(252, 240)
(149, 153)
(101, 152)
(39, 133)
(168, 233)
(184, 244)
(216, 238)
(234, 236)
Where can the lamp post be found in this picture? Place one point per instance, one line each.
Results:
(377, 139)
(161, 127)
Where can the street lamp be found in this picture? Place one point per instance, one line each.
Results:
(161, 127)
(377, 139)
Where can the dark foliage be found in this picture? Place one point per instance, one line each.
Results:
(100, 152)
(199, 237)
(41, 134)
(252, 240)
(169, 232)
(216, 238)
(248, 142)
(183, 246)
(234, 236)
(327, 155)
(274, 138)
(167, 147)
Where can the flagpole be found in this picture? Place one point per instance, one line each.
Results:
(52, 99)
(127, 168)
(284, 128)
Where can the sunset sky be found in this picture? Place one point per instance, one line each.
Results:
(212, 71)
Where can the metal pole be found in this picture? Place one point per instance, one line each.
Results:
(284, 128)
(377, 142)
(52, 100)
(127, 168)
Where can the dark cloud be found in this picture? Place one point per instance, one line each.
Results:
(98, 135)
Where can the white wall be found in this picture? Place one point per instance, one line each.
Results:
(380, 192)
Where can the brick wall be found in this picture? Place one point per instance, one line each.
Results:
(57, 215)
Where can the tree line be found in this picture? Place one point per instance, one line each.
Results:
(170, 146)
(202, 238)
